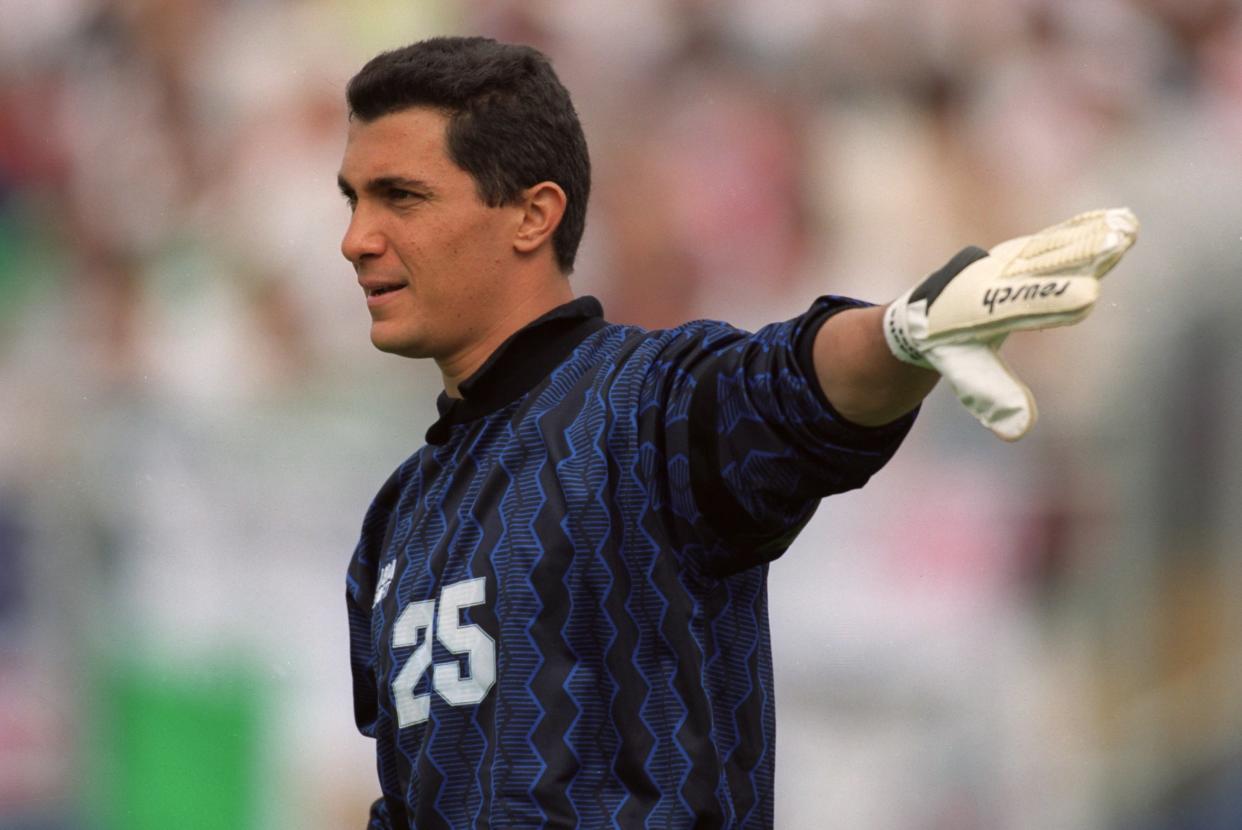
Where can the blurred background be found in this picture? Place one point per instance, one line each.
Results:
(192, 420)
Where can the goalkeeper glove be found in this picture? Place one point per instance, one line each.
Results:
(955, 321)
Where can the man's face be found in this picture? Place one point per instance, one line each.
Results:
(429, 254)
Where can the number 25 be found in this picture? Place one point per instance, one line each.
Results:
(446, 678)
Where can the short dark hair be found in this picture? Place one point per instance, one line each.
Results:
(511, 123)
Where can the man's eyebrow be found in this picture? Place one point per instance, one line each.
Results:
(385, 182)
(382, 183)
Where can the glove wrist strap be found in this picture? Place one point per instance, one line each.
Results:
(897, 333)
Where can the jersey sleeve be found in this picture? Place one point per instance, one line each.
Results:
(379, 816)
(360, 583)
(761, 442)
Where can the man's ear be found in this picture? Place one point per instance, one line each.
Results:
(543, 205)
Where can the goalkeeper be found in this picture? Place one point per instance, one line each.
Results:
(557, 606)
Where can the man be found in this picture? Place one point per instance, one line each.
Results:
(557, 606)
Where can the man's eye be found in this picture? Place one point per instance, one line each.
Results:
(396, 194)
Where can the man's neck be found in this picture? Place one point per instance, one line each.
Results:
(469, 359)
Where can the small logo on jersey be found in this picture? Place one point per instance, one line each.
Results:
(385, 579)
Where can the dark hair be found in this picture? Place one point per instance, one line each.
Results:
(511, 123)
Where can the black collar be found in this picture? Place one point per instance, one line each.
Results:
(518, 364)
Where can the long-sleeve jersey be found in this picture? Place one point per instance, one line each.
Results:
(558, 607)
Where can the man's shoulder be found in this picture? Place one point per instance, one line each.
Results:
(633, 347)
(389, 493)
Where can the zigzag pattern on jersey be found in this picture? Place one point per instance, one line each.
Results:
(632, 690)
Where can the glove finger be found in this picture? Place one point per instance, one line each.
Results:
(986, 387)
(1089, 244)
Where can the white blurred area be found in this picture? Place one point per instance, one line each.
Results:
(192, 420)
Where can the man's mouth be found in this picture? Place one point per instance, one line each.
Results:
(378, 293)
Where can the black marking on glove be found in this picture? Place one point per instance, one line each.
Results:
(1029, 291)
(932, 286)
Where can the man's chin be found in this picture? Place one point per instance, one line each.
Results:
(391, 343)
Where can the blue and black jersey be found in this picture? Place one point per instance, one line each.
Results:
(558, 607)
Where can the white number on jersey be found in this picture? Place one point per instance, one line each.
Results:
(458, 688)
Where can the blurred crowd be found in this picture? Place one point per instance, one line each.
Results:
(193, 420)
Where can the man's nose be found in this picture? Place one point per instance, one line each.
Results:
(362, 239)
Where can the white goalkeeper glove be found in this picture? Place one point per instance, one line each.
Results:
(955, 321)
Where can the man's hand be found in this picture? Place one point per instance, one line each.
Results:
(955, 321)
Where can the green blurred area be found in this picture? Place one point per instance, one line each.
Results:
(27, 261)
(178, 750)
